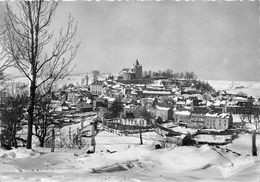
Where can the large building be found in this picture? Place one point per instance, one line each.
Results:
(136, 72)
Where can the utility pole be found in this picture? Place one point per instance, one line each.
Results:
(93, 141)
(141, 138)
(254, 149)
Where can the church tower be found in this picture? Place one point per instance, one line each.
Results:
(138, 70)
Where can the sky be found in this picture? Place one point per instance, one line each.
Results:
(216, 40)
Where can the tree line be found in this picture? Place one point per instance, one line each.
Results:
(170, 74)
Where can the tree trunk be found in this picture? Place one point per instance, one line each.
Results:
(30, 115)
(93, 141)
(41, 142)
(52, 140)
(254, 149)
(14, 143)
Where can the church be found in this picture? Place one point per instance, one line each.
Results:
(136, 72)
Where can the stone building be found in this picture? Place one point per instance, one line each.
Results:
(136, 72)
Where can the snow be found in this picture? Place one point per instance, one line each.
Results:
(250, 88)
(121, 158)
(18, 153)
(168, 125)
(243, 144)
(156, 92)
(184, 130)
(162, 108)
(132, 163)
(212, 138)
(211, 115)
(185, 113)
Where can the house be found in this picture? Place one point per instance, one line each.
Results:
(126, 91)
(62, 107)
(83, 106)
(181, 116)
(164, 112)
(197, 119)
(218, 121)
(175, 139)
(72, 97)
(180, 104)
(128, 111)
(110, 101)
(98, 102)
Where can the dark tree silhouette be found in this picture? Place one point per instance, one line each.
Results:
(11, 115)
(43, 120)
(95, 74)
(116, 107)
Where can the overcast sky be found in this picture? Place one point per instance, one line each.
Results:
(216, 40)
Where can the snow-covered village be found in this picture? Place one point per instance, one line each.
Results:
(129, 91)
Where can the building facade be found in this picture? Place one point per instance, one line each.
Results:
(96, 87)
(221, 121)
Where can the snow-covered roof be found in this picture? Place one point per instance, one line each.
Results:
(181, 102)
(157, 92)
(211, 115)
(217, 115)
(184, 113)
(240, 99)
(162, 108)
(110, 99)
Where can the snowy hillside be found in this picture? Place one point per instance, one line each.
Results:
(251, 88)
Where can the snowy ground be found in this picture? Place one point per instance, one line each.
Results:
(212, 138)
(121, 158)
(251, 88)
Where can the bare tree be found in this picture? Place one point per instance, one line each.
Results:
(243, 120)
(43, 120)
(31, 46)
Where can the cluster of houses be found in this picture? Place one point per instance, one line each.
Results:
(153, 103)
(156, 102)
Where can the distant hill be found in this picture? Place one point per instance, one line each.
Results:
(251, 88)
